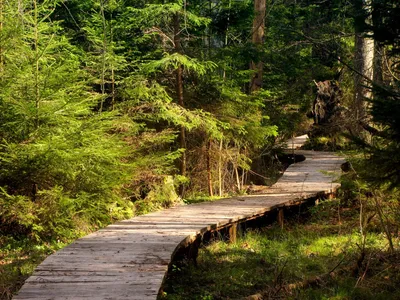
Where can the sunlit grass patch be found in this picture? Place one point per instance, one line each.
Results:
(275, 263)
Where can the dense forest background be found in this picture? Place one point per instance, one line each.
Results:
(110, 108)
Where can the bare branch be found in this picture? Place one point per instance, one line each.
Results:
(164, 36)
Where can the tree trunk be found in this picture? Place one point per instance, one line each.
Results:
(1, 29)
(257, 38)
(103, 57)
(220, 168)
(363, 64)
(209, 175)
(237, 179)
(179, 94)
(112, 69)
(37, 58)
(227, 35)
(378, 64)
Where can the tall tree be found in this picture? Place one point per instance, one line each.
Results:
(105, 63)
(363, 59)
(381, 166)
(179, 94)
(257, 38)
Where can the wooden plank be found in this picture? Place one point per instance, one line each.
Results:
(58, 277)
(129, 259)
(82, 290)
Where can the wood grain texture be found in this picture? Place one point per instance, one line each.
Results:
(129, 259)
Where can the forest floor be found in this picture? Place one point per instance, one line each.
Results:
(320, 255)
(18, 259)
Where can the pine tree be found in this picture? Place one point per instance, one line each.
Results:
(61, 165)
(157, 17)
(103, 60)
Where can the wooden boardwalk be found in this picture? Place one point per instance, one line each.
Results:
(129, 259)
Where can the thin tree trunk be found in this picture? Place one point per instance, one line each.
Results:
(112, 72)
(257, 37)
(179, 94)
(209, 175)
(112, 88)
(209, 30)
(220, 168)
(243, 177)
(1, 30)
(36, 37)
(227, 23)
(103, 57)
(227, 34)
(182, 135)
(237, 179)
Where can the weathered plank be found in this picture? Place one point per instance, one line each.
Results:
(129, 259)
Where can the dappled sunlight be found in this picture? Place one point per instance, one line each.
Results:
(267, 259)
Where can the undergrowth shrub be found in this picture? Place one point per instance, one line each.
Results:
(57, 192)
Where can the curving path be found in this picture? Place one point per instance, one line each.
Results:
(129, 259)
